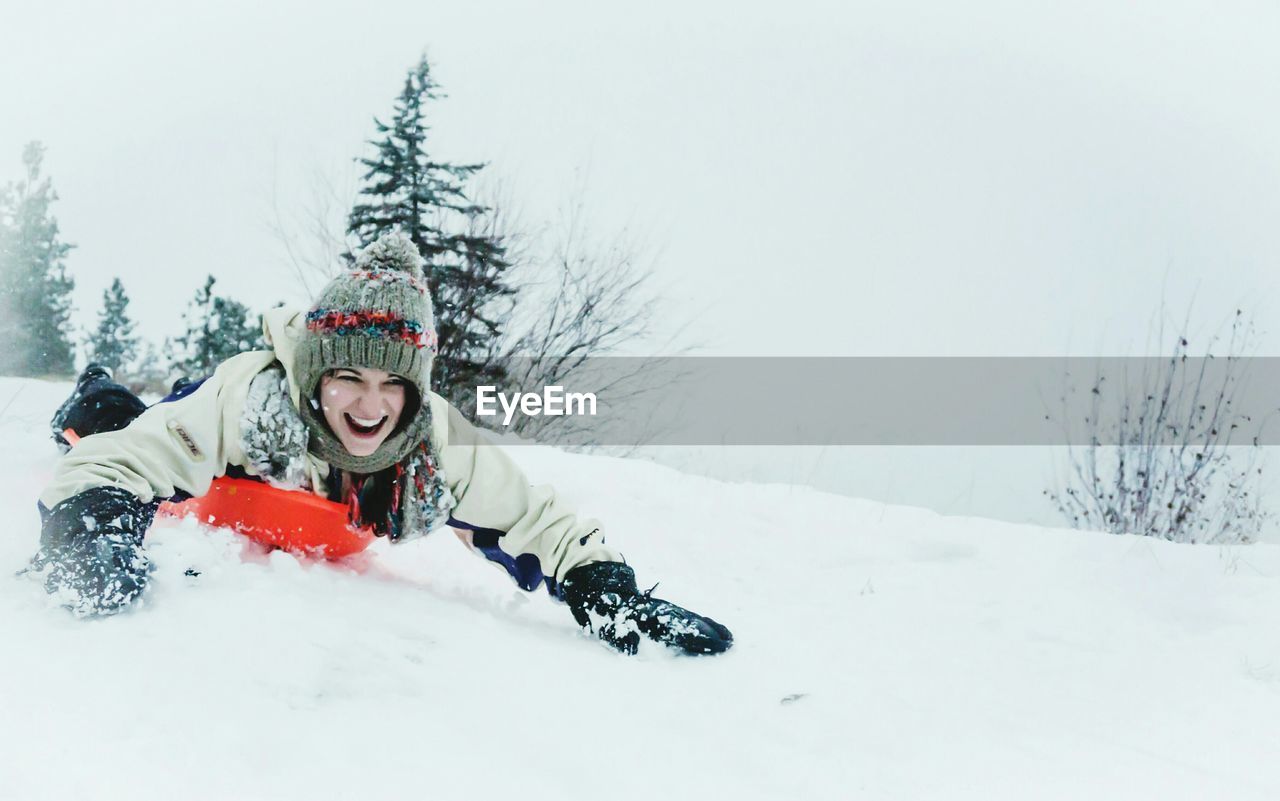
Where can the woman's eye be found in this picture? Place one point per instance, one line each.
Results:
(353, 379)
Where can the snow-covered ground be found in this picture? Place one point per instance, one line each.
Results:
(882, 652)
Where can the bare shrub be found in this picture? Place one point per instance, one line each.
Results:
(1168, 454)
(584, 299)
(311, 237)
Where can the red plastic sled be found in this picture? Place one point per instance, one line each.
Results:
(293, 520)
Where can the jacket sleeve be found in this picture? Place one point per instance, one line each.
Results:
(530, 531)
(181, 445)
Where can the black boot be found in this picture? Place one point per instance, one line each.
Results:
(97, 404)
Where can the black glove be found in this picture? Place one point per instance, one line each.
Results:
(604, 598)
(91, 549)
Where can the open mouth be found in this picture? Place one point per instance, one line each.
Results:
(362, 427)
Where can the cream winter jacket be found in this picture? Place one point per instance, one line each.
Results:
(184, 444)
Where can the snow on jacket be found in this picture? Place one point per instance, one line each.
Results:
(182, 445)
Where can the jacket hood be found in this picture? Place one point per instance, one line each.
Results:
(282, 329)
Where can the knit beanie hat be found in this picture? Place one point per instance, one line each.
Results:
(377, 315)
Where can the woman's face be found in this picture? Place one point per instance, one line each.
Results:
(362, 406)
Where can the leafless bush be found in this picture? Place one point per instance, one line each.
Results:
(586, 299)
(1169, 455)
(312, 238)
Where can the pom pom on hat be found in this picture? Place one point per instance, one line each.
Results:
(391, 251)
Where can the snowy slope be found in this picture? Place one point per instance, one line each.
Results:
(882, 652)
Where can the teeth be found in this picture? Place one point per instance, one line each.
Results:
(368, 423)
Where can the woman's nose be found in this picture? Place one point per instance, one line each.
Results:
(372, 403)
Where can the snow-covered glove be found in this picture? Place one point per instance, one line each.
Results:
(91, 551)
(604, 598)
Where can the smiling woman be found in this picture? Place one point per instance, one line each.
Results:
(362, 406)
(341, 407)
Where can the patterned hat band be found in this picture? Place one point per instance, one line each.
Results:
(377, 324)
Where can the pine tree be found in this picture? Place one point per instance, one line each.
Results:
(468, 343)
(466, 261)
(217, 329)
(35, 289)
(113, 343)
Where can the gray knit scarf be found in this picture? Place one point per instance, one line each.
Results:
(275, 439)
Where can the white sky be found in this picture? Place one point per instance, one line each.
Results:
(838, 178)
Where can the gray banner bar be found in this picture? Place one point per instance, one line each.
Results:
(894, 401)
